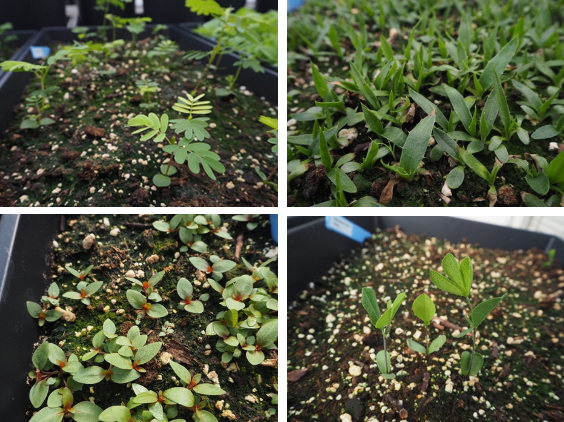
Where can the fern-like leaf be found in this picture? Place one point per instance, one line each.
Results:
(156, 127)
(204, 7)
(192, 105)
(13, 66)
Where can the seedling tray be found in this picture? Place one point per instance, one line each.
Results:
(12, 84)
(23, 43)
(26, 243)
(312, 249)
(269, 78)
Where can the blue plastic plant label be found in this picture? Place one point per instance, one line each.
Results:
(39, 52)
(347, 228)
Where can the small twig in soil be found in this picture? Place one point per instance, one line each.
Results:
(239, 246)
(138, 225)
(272, 173)
(425, 384)
(554, 407)
(62, 224)
(394, 402)
(447, 324)
(110, 96)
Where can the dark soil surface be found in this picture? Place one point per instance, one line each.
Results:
(521, 341)
(90, 158)
(113, 257)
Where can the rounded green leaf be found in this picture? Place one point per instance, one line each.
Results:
(416, 347)
(86, 412)
(184, 288)
(91, 375)
(234, 304)
(545, 132)
(41, 355)
(424, 308)
(195, 307)
(156, 278)
(136, 299)
(255, 357)
(181, 396)
(161, 181)
(146, 353)
(244, 285)
(437, 343)
(48, 414)
(123, 376)
(157, 311)
(56, 354)
(118, 361)
(199, 263)
(477, 363)
(38, 393)
(34, 309)
(109, 328)
(383, 357)
(208, 390)
(145, 397)
(268, 333)
(455, 177)
(115, 414)
(181, 371)
(223, 266)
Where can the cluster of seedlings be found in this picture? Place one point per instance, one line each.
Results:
(458, 281)
(163, 80)
(460, 101)
(125, 359)
(453, 355)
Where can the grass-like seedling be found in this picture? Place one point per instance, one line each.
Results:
(459, 281)
(184, 148)
(384, 323)
(424, 309)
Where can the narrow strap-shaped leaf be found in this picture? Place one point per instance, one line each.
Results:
(502, 103)
(460, 106)
(416, 144)
(428, 108)
(499, 62)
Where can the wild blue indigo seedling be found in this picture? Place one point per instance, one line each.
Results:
(424, 309)
(144, 291)
(382, 322)
(61, 406)
(218, 267)
(459, 282)
(36, 311)
(189, 304)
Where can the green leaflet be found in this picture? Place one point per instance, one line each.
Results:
(481, 311)
(370, 304)
(502, 104)
(460, 107)
(416, 145)
(500, 62)
(555, 170)
(387, 316)
(424, 308)
(428, 108)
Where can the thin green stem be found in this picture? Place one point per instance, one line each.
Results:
(385, 353)
(427, 336)
(473, 337)
(235, 78)
(212, 58)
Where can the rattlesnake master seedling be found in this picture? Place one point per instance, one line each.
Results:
(186, 148)
(424, 309)
(382, 322)
(459, 282)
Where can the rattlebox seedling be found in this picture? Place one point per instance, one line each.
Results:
(382, 322)
(424, 309)
(459, 282)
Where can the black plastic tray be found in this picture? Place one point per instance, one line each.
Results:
(26, 243)
(169, 11)
(24, 41)
(312, 249)
(270, 69)
(90, 16)
(13, 85)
